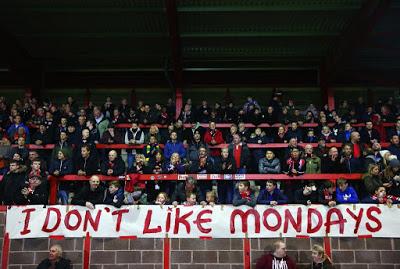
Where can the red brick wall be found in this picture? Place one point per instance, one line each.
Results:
(348, 253)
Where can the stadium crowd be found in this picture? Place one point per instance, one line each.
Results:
(178, 145)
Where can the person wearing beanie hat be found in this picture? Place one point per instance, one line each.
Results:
(394, 163)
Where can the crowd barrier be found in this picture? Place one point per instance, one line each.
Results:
(220, 146)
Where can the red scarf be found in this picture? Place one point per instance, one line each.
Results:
(245, 195)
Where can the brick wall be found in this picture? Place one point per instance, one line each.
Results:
(348, 253)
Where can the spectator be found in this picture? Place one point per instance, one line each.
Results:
(270, 164)
(203, 164)
(203, 112)
(311, 138)
(368, 134)
(191, 199)
(306, 195)
(211, 199)
(394, 147)
(233, 129)
(313, 162)
(327, 135)
(114, 194)
(20, 149)
(174, 146)
(295, 165)
(225, 165)
(291, 146)
(258, 138)
(213, 137)
(153, 131)
(41, 136)
(250, 105)
(280, 135)
(60, 167)
(87, 163)
(193, 149)
(271, 116)
(162, 199)
(112, 136)
(373, 156)
(331, 163)
(151, 149)
(395, 130)
(271, 195)
(113, 166)
(13, 181)
(90, 195)
(391, 177)
(320, 259)
(179, 193)
(62, 144)
(344, 135)
(240, 153)
(277, 258)
(17, 123)
(327, 194)
(100, 121)
(55, 259)
(345, 194)
(34, 192)
(133, 136)
(243, 132)
(381, 197)
(357, 148)
(244, 195)
(372, 179)
(94, 133)
(187, 115)
(36, 169)
(349, 162)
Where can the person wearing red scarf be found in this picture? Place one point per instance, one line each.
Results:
(213, 137)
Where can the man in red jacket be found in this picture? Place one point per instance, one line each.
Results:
(277, 259)
(213, 137)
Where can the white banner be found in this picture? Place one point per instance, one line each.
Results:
(197, 221)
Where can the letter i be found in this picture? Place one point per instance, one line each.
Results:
(168, 221)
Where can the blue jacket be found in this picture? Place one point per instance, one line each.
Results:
(171, 148)
(108, 199)
(64, 167)
(348, 196)
(265, 197)
(12, 129)
(395, 150)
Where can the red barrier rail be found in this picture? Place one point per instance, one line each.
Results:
(141, 146)
(228, 125)
(54, 181)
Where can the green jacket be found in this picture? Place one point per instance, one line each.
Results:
(313, 165)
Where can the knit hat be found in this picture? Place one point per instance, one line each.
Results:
(394, 163)
(383, 152)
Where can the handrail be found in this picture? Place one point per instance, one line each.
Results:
(141, 146)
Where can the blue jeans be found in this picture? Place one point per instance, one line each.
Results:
(225, 191)
(63, 196)
(131, 159)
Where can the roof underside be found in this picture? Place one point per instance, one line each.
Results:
(216, 41)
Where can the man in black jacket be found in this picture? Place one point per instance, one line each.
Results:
(12, 182)
(90, 195)
(55, 259)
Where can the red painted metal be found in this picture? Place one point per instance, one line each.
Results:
(246, 254)
(167, 253)
(86, 251)
(6, 251)
(178, 102)
(327, 246)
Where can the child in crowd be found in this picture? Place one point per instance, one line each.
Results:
(114, 194)
(381, 197)
(162, 199)
(191, 199)
(327, 194)
(271, 195)
(211, 199)
(345, 194)
(244, 195)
